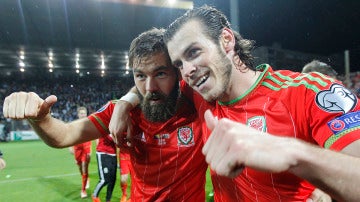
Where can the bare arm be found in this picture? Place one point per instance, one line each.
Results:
(335, 173)
(120, 119)
(52, 131)
(232, 146)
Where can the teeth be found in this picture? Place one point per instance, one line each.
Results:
(202, 80)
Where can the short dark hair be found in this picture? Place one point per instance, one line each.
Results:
(146, 44)
(214, 22)
(317, 66)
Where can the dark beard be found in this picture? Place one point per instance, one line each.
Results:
(225, 75)
(160, 112)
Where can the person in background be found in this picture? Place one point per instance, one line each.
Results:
(82, 154)
(2, 161)
(317, 66)
(124, 165)
(107, 165)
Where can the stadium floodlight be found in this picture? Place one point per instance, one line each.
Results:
(22, 55)
(102, 62)
(157, 3)
(21, 63)
(51, 55)
(171, 2)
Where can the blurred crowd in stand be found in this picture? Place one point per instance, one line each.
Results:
(72, 91)
(93, 92)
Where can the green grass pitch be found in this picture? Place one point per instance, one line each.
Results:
(36, 172)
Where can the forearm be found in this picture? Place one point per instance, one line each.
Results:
(333, 172)
(59, 134)
(120, 118)
(121, 111)
(52, 131)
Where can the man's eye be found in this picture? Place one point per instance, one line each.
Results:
(161, 74)
(193, 53)
(140, 76)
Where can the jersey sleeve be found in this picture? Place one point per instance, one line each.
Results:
(333, 113)
(102, 117)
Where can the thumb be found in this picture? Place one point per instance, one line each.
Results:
(47, 104)
(210, 119)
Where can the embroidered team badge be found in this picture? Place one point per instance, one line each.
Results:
(257, 122)
(336, 99)
(185, 136)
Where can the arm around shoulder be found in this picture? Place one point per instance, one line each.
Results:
(333, 172)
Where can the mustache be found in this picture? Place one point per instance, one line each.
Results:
(154, 95)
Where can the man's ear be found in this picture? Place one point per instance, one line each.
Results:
(227, 39)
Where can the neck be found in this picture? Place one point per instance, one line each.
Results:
(241, 80)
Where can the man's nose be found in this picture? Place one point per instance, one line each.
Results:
(151, 85)
(188, 69)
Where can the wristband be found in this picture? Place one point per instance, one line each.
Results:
(131, 98)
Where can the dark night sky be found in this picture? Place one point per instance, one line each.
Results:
(323, 26)
(314, 26)
(311, 26)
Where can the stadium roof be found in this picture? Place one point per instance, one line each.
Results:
(70, 35)
(94, 35)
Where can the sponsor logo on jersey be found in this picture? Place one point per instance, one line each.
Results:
(185, 136)
(103, 108)
(143, 137)
(140, 136)
(336, 125)
(257, 122)
(344, 122)
(161, 138)
(336, 99)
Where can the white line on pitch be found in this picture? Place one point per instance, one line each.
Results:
(34, 178)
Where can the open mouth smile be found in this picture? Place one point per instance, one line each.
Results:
(201, 80)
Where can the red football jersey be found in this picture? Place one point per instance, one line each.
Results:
(106, 144)
(166, 158)
(309, 107)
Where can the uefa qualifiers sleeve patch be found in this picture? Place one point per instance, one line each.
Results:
(336, 99)
(103, 108)
(345, 122)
